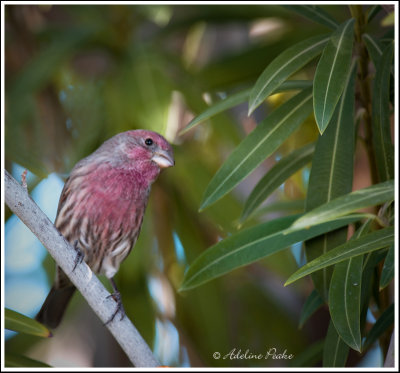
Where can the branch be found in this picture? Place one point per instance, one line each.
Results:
(22, 205)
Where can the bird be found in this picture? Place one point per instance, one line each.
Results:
(101, 208)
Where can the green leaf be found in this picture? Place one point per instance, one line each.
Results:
(372, 12)
(238, 98)
(309, 357)
(340, 206)
(283, 66)
(388, 269)
(374, 49)
(258, 145)
(313, 302)
(345, 296)
(20, 361)
(331, 74)
(23, 324)
(331, 176)
(380, 326)
(370, 242)
(281, 171)
(250, 245)
(344, 300)
(335, 350)
(382, 141)
(315, 13)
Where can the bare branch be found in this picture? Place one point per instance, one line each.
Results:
(83, 278)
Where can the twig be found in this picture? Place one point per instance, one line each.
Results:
(83, 278)
(23, 180)
(389, 361)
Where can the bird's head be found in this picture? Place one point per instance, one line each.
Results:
(141, 150)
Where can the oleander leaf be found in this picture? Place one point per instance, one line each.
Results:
(387, 273)
(20, 323)
(250, 245)
(351, 202)
(258, 145)
(353, 248)
(313, 303)
(335, 350)
(281, 171)
(283, 66)
(314, 13)
(331, 73)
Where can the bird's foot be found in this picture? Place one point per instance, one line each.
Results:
(120, 308)
(79, 255)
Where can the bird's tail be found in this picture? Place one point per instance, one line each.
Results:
(55, 305)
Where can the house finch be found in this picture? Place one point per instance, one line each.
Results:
(101, 209)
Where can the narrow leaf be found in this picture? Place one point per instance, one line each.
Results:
(309, 357)
(315, 13)
(23, 324)
(370, 242)
(382, 141)
(335, 350)
(332, 176)
(20, 361)
(345, 296)
(340, 206)
(344, 300)
(250, 245)
(374, 49)
(388, 269)
(258, 145)
(281, 171)
(283, 66)
(239, 98)
(380, 326)
(331, 74)
(313, 302)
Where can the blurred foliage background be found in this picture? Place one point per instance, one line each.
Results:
(76, 75)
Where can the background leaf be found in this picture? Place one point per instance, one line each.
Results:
(314, 13)
(380, 326)
(23, 324)
(313, 302)
(19, 361)
(331, 74)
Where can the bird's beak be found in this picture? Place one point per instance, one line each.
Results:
(163, 158)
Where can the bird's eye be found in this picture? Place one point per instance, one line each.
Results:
(148, 142)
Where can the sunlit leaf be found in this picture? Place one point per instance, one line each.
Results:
(240, 97)
(340, 206)
(23, 324)
(381, 137)
(370, 242)
(380, 326)
(314, 13)
(331, 74)
(258, 145)
(331, 177)
(388, 268)
(335, 350)
(374, 49)
(250, 245)
(281, 171)
(283, 66)
(313, 302)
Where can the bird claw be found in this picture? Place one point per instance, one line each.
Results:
(120, 308)
(79, 255)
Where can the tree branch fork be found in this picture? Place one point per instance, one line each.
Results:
(98, 298)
